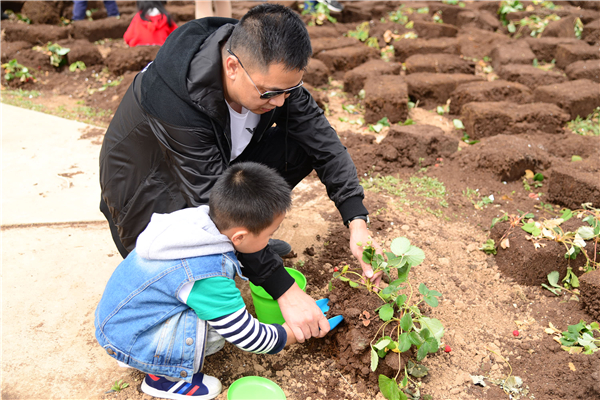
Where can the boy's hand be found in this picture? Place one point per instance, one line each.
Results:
(291, 339)
(360, 234)
(302, 315)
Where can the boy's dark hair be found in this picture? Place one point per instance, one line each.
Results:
(250, 195)
(145, 6)
(272, 34)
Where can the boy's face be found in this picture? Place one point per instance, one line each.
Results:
(253, 243)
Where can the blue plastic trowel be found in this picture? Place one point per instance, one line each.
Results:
(323, 304)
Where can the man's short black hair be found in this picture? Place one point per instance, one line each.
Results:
(249, 195)
(272, 34)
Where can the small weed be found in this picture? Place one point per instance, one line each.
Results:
(119, 385)
(589, 126)
(489, 247)
(383, 122)
(299, 264)
(77, 66)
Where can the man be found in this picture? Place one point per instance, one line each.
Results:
(221, 92)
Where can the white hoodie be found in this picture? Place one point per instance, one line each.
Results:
(182, 234)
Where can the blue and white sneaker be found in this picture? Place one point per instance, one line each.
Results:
(203, 387)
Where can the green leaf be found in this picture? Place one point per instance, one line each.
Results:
(352, 284)
(434, 325)
(458, 124)
(423, 289)
(553, 290)
(440, 110)
(400, 246)
(404, 342)
(415, 338)
(432, 301)
(553, 279)
(538, 177)
(422, 352)
(389, 389)
(576, 158)
(406, 322)
(403, 273)
(500, 219)
(400, 300)
(567, 214)
(586, 232)
(431, 345)
(382, 344)
(414, 256)
(531, 228)
(386, 312)
(374, 360)
(416, 370)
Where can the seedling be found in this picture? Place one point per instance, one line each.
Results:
(56, 52)
(119, 385)
(507, 7)
(400, 312)
(14, 70)
(89, 13)
(580, 338)
(383, 122)
(77, 65)
(489, 247)
(570, 284)
(18, 17)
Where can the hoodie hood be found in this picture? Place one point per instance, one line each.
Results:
(192, 49)
(185, 233)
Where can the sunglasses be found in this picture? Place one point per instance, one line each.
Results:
(269, 94)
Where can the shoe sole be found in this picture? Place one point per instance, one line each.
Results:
(161, 394)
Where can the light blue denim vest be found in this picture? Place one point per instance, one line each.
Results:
(141, 322)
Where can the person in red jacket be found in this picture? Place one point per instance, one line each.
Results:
(150, 26)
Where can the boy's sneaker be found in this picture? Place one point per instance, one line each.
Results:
(203, 387)
(333, 5)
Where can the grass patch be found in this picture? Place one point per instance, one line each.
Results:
(411, 192)
(589, 126)
(26, 99)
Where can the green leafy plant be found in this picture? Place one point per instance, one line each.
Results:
(507, 7)
(489, 247)
(119, 385)
(77, 65)
(589, 126)
(318, 14)
(578, 28)
(56, 52)
(536, 24)
(377, 127)
(570, 284)
(89, 13)
(18, 17)
(403, 325)
(580, 338)
(14, 70)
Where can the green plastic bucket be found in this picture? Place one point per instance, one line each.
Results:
(254, 388)
(267, 309)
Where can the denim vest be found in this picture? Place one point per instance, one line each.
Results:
(141, 322)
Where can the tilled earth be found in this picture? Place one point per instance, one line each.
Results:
(478, 72)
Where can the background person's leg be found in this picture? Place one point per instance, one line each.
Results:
(79, 8)
(222, 8)
(204, 9)
(111, 8)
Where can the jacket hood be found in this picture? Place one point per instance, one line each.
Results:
(185, 233)
(176, 72)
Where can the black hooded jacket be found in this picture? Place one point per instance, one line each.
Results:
(170, 140)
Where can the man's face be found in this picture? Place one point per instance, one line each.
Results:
(244, 87)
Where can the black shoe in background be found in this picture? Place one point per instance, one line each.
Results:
(333, 5)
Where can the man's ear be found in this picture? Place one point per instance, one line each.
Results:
(231, 67)
(239, 236)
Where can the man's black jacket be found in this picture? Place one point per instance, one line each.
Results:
(170, 140)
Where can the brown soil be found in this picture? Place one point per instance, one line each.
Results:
(484, 297)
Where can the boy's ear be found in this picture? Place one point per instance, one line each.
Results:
(238, 236)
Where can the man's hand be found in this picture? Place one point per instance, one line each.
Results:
(302, 315)
(360, 234)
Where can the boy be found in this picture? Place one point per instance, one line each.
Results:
(173, 300)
